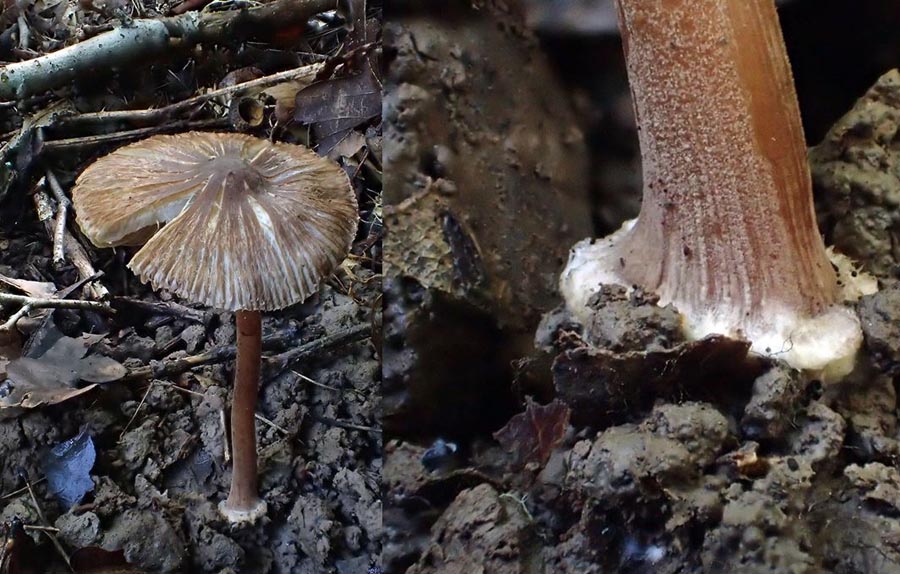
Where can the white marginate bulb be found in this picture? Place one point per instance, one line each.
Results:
(727, 230)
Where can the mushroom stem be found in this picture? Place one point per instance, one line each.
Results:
(727, 230)
(727, 217)
(244, 504)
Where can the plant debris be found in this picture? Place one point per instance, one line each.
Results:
(532, 435)
(53, 376)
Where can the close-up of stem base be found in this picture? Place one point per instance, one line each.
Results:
(727, 230)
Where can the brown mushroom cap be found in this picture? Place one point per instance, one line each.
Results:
(250, 224)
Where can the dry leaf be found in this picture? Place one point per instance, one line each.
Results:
(37, 289)
(531, 436)
(54, 376)
(334, 107)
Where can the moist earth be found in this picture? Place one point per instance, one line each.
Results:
(160, 468)
(673, 456)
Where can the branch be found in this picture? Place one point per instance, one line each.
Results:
(144, 39)
(30, 303)
(228, 352)
(304, 74)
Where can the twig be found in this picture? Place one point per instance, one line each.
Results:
(269, 423)
(62, 209)
(10, 324)
(258, 416)
(166, 308)
(146, 38)
(304, 74)
(324, 386)
(77, 254)
(226, 447)
(82, 263)
(86, 141)
(24, 32)
(22, 490)
(216, 355)
(31, 303)
(345, 424)
(50, 535)
(41, 528)
(38, 303)
(137, 410)
(282, 361)
(228, 352)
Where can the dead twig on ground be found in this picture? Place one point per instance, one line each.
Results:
(28, 304)
(76, 252)
(86, 141)
(303, 74)
(284, 360)
(144, 39)
(22, 490)
(228, 352)
(345, 424)
(43, 517)
(62, 210)
(165, 308)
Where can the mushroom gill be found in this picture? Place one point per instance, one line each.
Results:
(249, 224)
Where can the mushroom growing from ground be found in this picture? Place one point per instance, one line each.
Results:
(727, 230)
(250, 226)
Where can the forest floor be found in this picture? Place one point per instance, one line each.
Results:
(618, 447)
(120, 467)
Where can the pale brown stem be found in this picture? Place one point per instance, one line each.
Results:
(727, 221)
(244, 494)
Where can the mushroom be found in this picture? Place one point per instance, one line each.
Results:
(727, 230)
(250, 226)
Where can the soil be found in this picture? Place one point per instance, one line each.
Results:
(161, 468)
(160, 462)
(484, 196)
(629, 450)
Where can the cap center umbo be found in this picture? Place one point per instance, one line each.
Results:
(235, 175)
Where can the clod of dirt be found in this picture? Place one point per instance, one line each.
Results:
(871, 414)
(878, 315)
(304, 544)
(821, 436)
(671, 446)
(508, 171)
(757, 533)
(776, 397)
(622, 321)
(880, 484)
(481, 531)
(602, 387)
(856, 170)
(360, 501)
(78, 530)
(215, 551)
(147, 540)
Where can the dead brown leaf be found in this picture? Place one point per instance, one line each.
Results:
(38, 289)
(532, 435)
(54, 376)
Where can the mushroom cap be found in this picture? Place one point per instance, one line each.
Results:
(249, 224)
